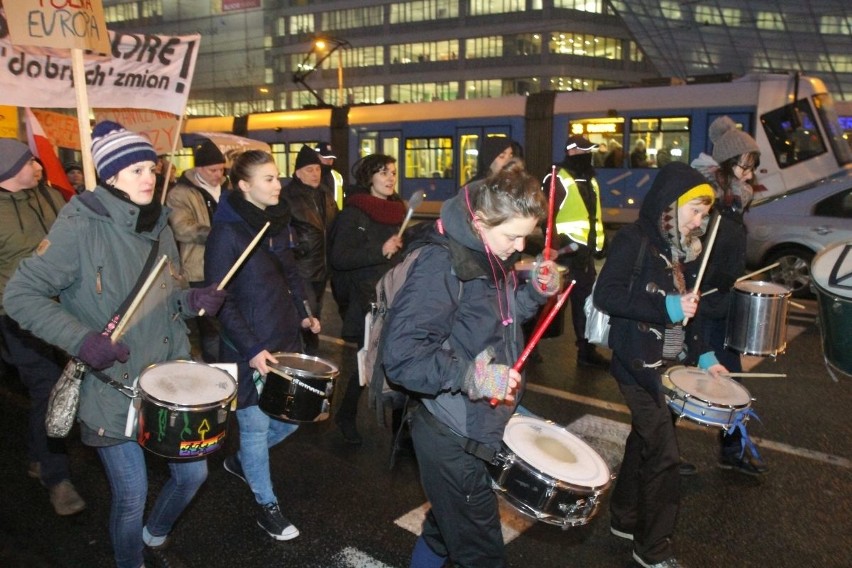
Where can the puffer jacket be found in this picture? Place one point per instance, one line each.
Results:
(25, 219)
(192, 210)
(313, 212)
(91, 260)
(431, 338)
(264, 307)
(639, 319)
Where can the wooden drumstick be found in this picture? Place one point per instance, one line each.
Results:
(240, 261)
(149, 281)
(755, 375)
(704, 260)
(746, 277)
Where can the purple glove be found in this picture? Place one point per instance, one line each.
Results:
(485, 379)
(99, 352)
(208, 299)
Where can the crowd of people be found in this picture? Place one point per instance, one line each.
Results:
(69, 270)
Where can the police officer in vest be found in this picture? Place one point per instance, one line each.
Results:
(331, 178)
(578, 221)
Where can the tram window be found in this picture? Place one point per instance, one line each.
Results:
(429, 157)
(792, 133)
(608, 134)
(279, 154)
(654, 142)
(469, 156)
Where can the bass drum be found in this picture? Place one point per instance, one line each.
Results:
(548, 473)
(831, 274)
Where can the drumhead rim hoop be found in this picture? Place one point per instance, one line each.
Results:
(729, 381)
(331, 373)
(178, 407)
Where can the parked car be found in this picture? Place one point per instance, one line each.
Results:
(793, 227)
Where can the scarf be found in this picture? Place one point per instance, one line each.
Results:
(383, 211)
(148, 214)
(278, 216)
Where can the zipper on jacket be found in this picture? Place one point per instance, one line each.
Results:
(98, 281)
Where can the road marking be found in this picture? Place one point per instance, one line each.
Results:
(353, 558)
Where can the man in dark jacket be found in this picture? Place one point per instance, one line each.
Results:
(313, 211)
(26, 214)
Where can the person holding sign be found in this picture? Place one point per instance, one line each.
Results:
(92, 260)
(455, 353)
(264, 314)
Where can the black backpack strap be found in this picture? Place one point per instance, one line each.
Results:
(637, 266)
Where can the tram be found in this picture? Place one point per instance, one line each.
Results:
(792, 117)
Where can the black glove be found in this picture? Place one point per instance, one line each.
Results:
(208, 299)
(99, 352)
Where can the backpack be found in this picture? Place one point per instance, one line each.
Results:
(382, 394)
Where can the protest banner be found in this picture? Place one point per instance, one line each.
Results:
(232, 145)
(73, 24)
(61, 129)
(161, 128)
(43, 148)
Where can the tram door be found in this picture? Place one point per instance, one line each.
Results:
(379, 142)
(469, 143)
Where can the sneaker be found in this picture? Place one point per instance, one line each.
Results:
(749, 465)
(161, 557)
(65, 499)
(272, 521)
(233, 466)
(667, 563)
(34, 470)
(687, 468)
(620, 533)
(591, 358)
(349, 430)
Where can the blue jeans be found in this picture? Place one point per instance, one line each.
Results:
(128, 481)
(258, 433)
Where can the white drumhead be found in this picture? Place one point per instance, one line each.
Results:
(555, 451)
(187, 383)
(303, 365)
(761, 288)
(831, 269)
(701, 385)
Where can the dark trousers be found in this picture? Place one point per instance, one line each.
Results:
(646, 495)
(39, 367)
(713, 331)
(316, 291)
(208, 329)
(581, 269)
(464, 521)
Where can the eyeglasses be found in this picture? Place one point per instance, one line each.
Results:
(747, 168)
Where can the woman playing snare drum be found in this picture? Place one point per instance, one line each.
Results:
(91, 259)
(263, 315)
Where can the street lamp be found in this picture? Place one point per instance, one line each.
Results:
(322, 49)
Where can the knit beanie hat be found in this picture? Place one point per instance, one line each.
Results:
(306, 157)
(13, 156)
(729, 141)
(115, 148)
(208, 154)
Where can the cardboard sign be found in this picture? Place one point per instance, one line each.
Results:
(61, 129)
(68, 24)
(161, 128)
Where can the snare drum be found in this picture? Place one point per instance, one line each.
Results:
(757, 318)
(548, 473)
(831, 273)
(184, 408)
(694, 394)
(301, 389)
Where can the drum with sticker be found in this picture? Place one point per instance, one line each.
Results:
(831, 274)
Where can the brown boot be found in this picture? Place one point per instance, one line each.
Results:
(65, 499)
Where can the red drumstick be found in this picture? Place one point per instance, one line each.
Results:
(548, 231)
(539, 331)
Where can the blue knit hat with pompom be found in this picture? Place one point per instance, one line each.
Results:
(115, 148)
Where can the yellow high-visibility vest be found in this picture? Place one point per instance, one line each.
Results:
(572, 219)
(338, 188)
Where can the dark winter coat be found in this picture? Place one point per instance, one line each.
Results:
(313, 211)
(431, 339)
(264, 307)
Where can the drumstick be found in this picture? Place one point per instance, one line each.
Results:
(413, 204)
(756, 375)
(149, 281)
(239, 262)
(746, 277)
(539, 331)
(796, 305)
(705, 259)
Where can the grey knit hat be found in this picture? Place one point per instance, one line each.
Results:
(115, 148)
(13, 156)
(729, 141)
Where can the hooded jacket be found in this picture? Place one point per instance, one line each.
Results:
(264, 307)
(492, 147)
(431, 339)
(90, 260)
(639, 319)
(25, 219)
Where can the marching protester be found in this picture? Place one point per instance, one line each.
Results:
(27, 211)
(263, 315)
(646, 336)
(730, 171)
(332, 180)
(92, 259)
(313, 211)
(451, 338)
(364, 245)
(495, 153)
(193, 201)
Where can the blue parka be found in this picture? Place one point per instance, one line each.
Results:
(431, 338)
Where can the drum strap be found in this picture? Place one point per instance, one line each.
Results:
(472, 447)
